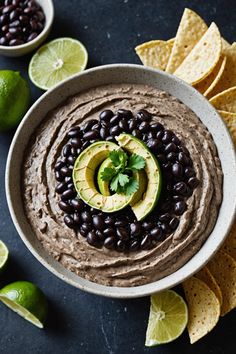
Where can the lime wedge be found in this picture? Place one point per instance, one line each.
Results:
(56, 61)
(3, 255)
(27, 300)
(167, 319)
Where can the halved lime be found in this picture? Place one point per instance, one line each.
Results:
(56, 61)
(3, 255)
(27, 300)
(167, 319)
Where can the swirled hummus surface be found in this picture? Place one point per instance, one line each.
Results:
(66, 245)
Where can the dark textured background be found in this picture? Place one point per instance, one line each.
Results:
(80, 322)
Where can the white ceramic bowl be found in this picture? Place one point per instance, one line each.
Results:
(19, 50)
(123, 73)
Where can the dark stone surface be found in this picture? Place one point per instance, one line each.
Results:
(80, 322)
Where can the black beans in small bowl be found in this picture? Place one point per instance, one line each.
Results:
(21, 21)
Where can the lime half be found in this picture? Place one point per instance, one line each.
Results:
(167, 319)
(3, 255)
(27, 300)
(56, 61)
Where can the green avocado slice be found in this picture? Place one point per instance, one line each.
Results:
(84, 174)
(154, 180)
(140, 176)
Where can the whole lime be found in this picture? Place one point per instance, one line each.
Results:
(14, 98)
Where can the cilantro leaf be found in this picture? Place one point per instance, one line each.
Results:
(123, 179)
(114, 183)
(119, 158)
(132, 186)
(108, 173)
(136, 162)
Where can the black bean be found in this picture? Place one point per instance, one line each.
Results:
(167, 166)
(110, 242)
(122, 233)
(159, 135)
(165, 217)
(156, 233)
(71, 186)
(133, 124)
(125, 113)
(123, 124)
(185, 150)
(119, 223)
(40, 16)
(86, 217)
(153, 144)
(14, 24)
(177, 198)
(100, 235)
(106, 115)
(95, 126)
(120, 245)
(59, 176)
(177, 170)
(74, 132)
(171, 147)
(91, 135)
(180, 187)
(71, 160)
(161, 158)
(8, 9)
(174, 222)
(88, 125)
(65, 171)
(23, 19)
(92, 239)
(82, 231)
(151, 135)
(86, 227)
(110, 138)
(76, 218)
(165, 228)
(59, 164)
(146, 242)
(176, 140)
(171, 156)
(189, 172)
(28, 10)
(182, 157)
(193, 182)
(157, 127)
(109, 221)
(77, 204)
(135, 228)
(84, 146)
(5, 28)
(144, 127)
(3, 41)
(68, 180)
(143, 115)
(166, 206)
(147, 225)
(180, 208)
(69, 221)
(76, 142)
(66, 207)
(68, 194)
(136, 133)
(66, 151)
(115, 120)
(108, 232)
(103, 133)
(98, 222)
(115, 130)
(32, 36)
(134, 246)
(167, 136)
(61, 187)
(4, 19)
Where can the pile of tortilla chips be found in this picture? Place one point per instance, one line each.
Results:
(200, 56)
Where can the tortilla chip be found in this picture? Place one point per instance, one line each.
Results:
(154, 53)
(229, 245)
(203, 306)
(230, 120)
(223, 268)
(202, 60)
(205, 275)
(228, 79)
(226, 100)
(206, 85)
(191, 29)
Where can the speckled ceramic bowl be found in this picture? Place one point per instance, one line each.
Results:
(123, 73)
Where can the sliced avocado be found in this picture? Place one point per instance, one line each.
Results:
(154, 181)
(140, 176)
(84, 174)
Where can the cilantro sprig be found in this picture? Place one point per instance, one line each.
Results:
(120, 176)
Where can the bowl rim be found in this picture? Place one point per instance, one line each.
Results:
(112, 291)
(48, 24)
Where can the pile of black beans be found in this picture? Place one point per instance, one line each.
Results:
(121, 230)
(20, 21)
